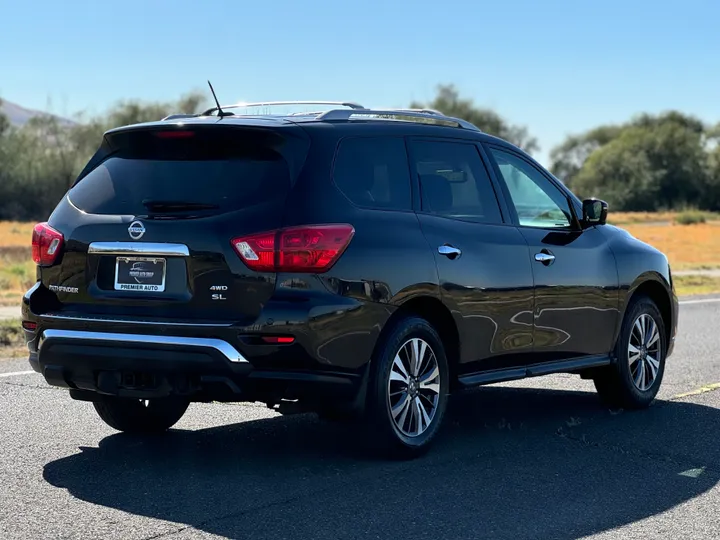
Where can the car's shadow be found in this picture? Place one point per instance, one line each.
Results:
(511, 463)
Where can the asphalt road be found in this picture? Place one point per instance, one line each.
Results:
(535, 459)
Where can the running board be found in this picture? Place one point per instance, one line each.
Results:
(535, 370)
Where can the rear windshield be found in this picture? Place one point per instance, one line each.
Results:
(179, 171)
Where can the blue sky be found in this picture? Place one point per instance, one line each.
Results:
(558, 67)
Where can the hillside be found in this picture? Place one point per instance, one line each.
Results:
(19, 116)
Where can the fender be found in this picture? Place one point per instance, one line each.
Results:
(642, 267)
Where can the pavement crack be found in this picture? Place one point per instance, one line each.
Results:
(680, 461)
(168, 533)
(201, 525)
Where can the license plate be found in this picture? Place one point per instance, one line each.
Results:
(141, 274)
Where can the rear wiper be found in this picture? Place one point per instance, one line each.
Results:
(176, 206)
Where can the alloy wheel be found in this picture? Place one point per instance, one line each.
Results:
(414, 387)
(644, 352)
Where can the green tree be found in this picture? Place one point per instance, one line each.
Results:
(652, 162)
(567, 159)
(40, 160)
(712, 190)
(449, 102)
(4, 122)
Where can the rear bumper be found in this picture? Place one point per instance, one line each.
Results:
(149, 366)
(96, 349)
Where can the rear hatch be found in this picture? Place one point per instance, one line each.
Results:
(148, 227)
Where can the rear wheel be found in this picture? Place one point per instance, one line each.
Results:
(408, 391)
(141, 416)
(634, 380)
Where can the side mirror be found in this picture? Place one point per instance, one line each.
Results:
(594, 212)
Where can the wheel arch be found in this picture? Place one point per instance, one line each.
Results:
(655, 287)
(439, 316)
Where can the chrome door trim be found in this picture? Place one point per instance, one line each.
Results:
(223, 347)
(544, 257)
(139, 248)
(449, 251)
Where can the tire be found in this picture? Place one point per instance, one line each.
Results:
(137, 416)
(399, 435)
(630, 385)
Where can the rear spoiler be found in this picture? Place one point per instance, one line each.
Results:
(291, 142)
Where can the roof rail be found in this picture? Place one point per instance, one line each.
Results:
(429, 114)
(350, 104)
(428, 111)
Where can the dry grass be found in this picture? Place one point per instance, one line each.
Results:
(628, 218)
(15, 234)
(12, 339)
(17, 274)
(17, 271)
(689, 285)
(623, 218)
(687, 246)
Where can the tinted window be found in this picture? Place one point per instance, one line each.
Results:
(454, 182)
(537, 201)
(373, 172)
(208, 170)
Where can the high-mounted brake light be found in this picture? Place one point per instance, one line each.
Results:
(306, 249)
(178, 134)
(47, 244)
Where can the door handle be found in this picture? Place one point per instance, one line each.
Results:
(449, 251)
(545, 257)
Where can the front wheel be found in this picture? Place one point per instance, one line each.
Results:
(634, 380)
(141, 416)
(408, 391)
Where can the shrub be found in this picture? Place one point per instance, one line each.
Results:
(690, 217)
(11, 334)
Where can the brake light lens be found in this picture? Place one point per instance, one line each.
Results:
(47, 244)
(278, 340)
(29, 326)
(177, 134)
(306, 249)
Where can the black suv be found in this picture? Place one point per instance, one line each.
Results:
(361, 264)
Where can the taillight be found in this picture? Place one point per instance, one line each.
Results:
(306, 249)
(47, 244)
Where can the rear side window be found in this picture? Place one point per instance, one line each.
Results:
(373, 172)
(221, 174)
(454, 182)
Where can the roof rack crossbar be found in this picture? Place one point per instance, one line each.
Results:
(430, 114)
(350, 104)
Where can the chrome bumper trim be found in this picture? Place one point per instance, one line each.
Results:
(223, 347)
(139, 248)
